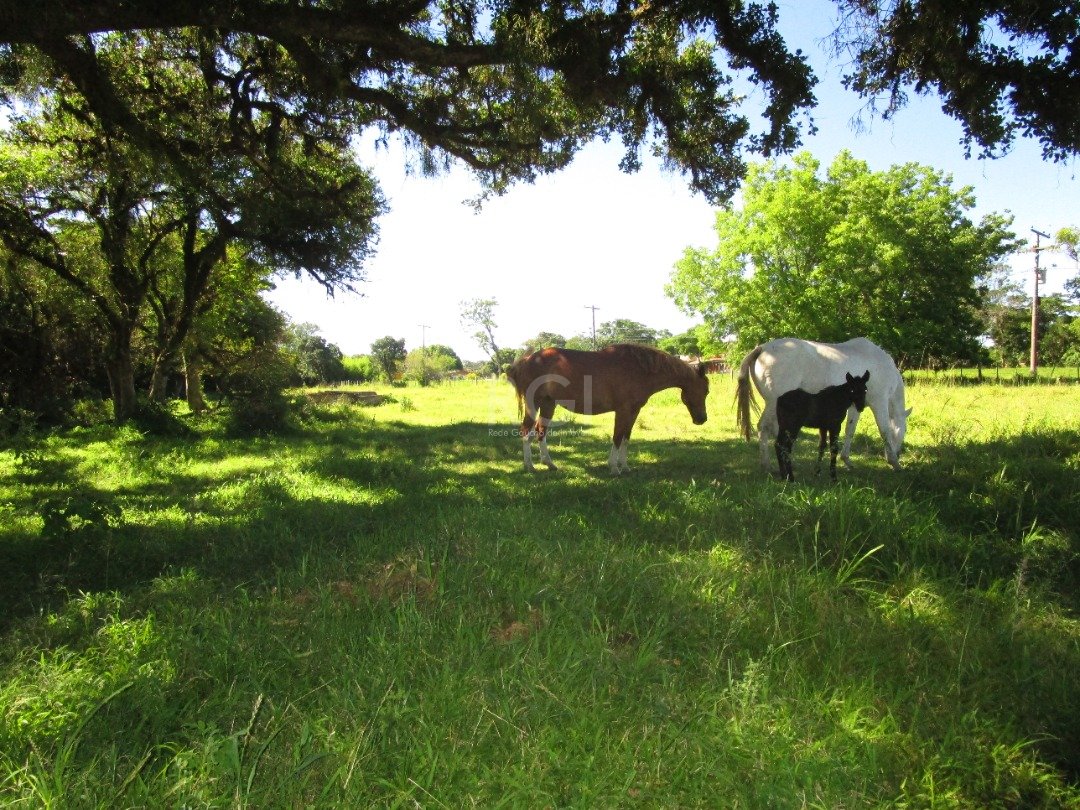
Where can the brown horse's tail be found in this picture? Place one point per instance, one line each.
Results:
(512, 374)
(744, 394)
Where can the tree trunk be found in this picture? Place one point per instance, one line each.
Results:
(193, 381)
(121, 371)
(122, 387)
(158, 381)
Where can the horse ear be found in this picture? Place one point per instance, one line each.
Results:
(850, 379)
(866, 376)
(907, 413)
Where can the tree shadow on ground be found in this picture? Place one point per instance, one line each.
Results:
(245, 521)
(368, 495)
(276, 498)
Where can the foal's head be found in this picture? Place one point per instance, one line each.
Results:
(694, 393)
(855, 388)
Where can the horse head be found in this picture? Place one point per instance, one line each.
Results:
(856, 388)
(897, 428)
(694, 394)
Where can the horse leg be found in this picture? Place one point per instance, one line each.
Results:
(785, 442)
(547, 410)
(620, 440)
(768, 428)
(849, 433)
(821, 451)
(528, 421)
(778, 445)
(884, 424)
(834, 446)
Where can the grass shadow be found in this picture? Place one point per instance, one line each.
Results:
(693, 575)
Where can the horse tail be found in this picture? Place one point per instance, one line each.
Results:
(744, 394)
(512, 374)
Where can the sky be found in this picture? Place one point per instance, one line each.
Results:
(592, 236)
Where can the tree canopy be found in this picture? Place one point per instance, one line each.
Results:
(624, 330)
(887, 255)
(388, 353)
(1000, 68)
(513, 89)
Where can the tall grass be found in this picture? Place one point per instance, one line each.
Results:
(382, 608)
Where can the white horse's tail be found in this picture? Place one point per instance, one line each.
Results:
(744, 394)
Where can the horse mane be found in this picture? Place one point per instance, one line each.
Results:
(655, 361)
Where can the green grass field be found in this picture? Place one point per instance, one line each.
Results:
(383, 609)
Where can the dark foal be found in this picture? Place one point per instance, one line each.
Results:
(824, 410)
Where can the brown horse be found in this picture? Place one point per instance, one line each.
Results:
(620, 378)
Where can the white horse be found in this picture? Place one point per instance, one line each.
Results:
(785, 364)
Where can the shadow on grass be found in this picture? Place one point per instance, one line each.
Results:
(339, 485)
(613, 553)
(236, 512)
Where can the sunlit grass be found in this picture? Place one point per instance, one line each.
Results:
(383, 608)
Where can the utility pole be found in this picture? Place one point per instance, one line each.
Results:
(588, 306)
(1034, 367)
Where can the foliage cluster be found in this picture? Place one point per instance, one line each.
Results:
(359, 368)
(1006, 311)
(316, 361)
(387, 353)
(515, 89)
(430, 363)
(888, 255)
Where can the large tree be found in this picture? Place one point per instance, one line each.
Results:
(316, 361)
(542, 341)
(514, 88)
(47, 358)
(388, 353)
(429, 363)
(624, 330)
(479, 314)
(888, 255)
(159, 236)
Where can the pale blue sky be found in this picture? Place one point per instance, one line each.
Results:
(591, 235)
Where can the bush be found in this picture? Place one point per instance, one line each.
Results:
(359, 368)
(254, 390)
(157, 419)
(256, 417)
(91, 412)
